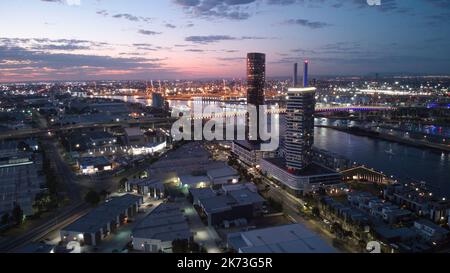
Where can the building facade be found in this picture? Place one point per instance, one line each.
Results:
(303, 182)
(299, 137)
(256, 80)
(296, 169)
(100, 222)
(249, 154)
(157, 101)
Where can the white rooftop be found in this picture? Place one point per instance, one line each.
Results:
(134, 131)
(192, 180)
(301, 90)
(294, 238)
(222, 172)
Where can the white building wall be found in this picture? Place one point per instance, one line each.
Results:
(294, 182)
(150, 245)
(225, 179)
(297, 183)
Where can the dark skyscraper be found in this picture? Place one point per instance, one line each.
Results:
(295, 77)
(256, 79)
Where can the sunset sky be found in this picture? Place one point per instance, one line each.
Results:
(190, 39)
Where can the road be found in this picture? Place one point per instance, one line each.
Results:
(67, 216)
(63, 171)
(292, 205)
(44, 131)
(40, 131)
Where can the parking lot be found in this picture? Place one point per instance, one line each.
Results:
(203, 235)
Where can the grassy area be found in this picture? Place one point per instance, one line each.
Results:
(373, 188)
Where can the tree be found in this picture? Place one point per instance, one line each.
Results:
(337, 229)
(5, 219)
(348, 233)
(42, 202)
(277, 206)
(92, 197)
(180, 246)
(22, 146)
(122, 183)
(316, 211)
(194, 247)
(17, 215)
(322, 192)
(257, 181)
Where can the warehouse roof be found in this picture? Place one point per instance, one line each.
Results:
(103, 214)
(294, 238)
(166, 223)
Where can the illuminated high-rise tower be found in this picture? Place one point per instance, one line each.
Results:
(256, 80)
(299, 137)
(296, 169)
(249, 150)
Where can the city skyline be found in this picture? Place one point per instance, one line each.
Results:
(193, 39)
(224, 126)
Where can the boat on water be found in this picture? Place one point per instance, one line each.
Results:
(390, 152)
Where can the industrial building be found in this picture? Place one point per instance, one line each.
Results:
(160, 228)
(135, 136)
(93, 165)
(224, 175)
(105, 219)
(20, 178)
(294, 238)
(147, 187)
(228, 204)
(194, 181)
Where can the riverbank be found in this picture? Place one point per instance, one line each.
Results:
(402, 140)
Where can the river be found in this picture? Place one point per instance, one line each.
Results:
(403, 162)
(406, 162)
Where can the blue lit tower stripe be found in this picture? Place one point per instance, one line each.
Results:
(305, 75)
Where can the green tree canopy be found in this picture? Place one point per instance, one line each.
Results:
(92, 197)
(5, 219)
(17, 214)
